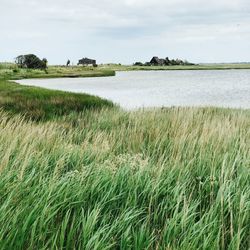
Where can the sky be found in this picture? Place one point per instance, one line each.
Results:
(126, 31)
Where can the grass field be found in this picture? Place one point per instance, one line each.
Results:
(104, 178)
(11, 71)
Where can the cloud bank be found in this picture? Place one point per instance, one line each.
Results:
(125, 31)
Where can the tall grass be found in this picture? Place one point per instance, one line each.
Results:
(7, 65)
(109, 179)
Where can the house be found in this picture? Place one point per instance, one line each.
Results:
(87, 61)
(158, 61)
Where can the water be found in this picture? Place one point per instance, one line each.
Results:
(136, 89)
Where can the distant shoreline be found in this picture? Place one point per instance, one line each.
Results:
(117, 67)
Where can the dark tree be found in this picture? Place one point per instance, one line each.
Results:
(45, 61)
(138, 64)
(68, 63)
(167, 61)
(31, 61)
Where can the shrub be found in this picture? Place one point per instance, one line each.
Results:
(16, 70)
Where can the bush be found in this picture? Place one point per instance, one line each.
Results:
(138, 64)
(16, 70)
(31, 61)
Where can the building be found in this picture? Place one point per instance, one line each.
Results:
(86, 61)
(158, 61)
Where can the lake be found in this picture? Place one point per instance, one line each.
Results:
(137, 89)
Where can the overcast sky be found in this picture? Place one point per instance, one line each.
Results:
(125, 31)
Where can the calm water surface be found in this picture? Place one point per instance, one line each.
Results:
(136, 89)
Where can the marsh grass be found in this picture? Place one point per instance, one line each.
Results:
(108, 179)
(43, 104)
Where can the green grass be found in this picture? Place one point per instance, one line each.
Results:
(109, 179)
(43, 104)
(10, 71)
(80, 173)
(7, 66)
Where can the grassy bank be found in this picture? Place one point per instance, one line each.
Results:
(42, 104)
(11, 71)
(80, 173)
(117, 67)
(108, 179)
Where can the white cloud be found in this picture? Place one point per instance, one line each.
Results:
(122, 29)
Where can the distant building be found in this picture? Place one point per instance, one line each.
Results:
(87, 61)
(157, 61)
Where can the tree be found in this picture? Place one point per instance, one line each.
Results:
(138, 64)
(31, 61)
(45, 61)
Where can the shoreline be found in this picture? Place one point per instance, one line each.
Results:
(38, 102)
(116, 67)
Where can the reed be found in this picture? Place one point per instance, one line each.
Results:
(108, 179)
